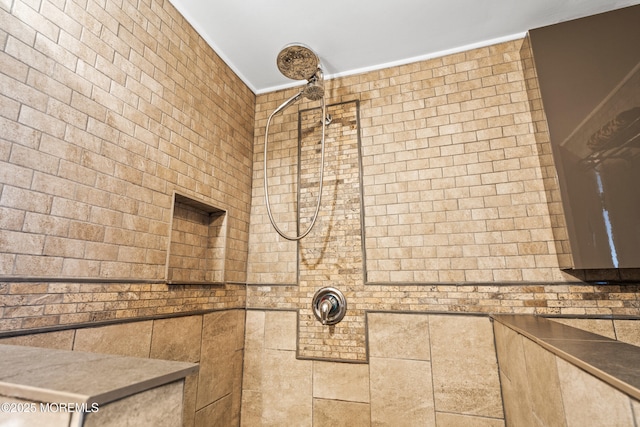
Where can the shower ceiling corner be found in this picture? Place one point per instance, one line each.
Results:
(247, 35)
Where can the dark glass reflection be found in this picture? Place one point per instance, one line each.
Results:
(589, 74)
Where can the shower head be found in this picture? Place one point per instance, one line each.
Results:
(314, 91)
(298, 62)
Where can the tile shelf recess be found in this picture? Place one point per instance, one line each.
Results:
(611, 361)
(196, 254)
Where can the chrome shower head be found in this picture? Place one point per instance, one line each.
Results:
(314, 91)
(298, 62)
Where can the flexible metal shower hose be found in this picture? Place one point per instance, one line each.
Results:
(266, 184)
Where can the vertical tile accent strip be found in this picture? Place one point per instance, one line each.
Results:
(331, 255)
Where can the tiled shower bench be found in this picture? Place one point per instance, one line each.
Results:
(52, 388)
(554, 374)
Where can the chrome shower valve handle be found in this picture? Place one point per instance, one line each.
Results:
(329, 306)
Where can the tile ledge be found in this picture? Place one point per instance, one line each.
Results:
(611, 361)
(49, 375)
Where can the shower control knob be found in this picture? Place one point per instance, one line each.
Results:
(329, 306)
(331, 301)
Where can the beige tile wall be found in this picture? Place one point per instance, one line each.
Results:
(105, 116)
(460, 204)
(107, 109)
(416, 375)
(26, 306)
(99, 131)
(214, 340)
(454, 170)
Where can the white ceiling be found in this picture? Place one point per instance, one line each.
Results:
(353, 36)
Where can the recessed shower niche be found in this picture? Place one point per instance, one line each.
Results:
(198, 241)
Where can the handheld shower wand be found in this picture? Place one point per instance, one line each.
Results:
(298, 62)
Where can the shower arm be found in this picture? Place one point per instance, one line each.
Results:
(266, 185)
